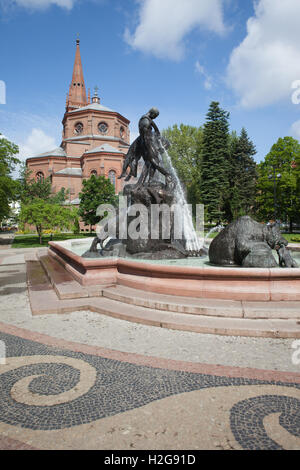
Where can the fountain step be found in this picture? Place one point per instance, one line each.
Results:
(202, 306)
(43, 300)
(187, 305)
(65, 286)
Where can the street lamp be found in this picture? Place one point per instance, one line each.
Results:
(275, 177)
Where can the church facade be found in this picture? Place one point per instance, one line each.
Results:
(95, 140)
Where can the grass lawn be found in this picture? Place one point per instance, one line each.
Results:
(32, 241)
(292, 237)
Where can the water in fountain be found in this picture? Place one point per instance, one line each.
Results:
(192, 241)
(217, 228)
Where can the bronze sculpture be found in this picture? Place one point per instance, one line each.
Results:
(149, 144)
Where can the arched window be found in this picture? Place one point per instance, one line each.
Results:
(122, 132)
(112, 177)
(94, 172)
(40, 176)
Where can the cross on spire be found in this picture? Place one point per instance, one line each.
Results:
(96, 98)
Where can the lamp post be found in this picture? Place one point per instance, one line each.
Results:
(276, 177)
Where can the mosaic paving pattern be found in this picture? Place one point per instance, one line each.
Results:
(247, 420)
(111, 387)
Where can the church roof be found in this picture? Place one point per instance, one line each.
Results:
(80, 139)
(58, 152)
(93, 106)
(70, 172)
(105, 148)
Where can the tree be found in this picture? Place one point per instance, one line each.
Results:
(96, 190)
(8, 187)
(243, 175)
(47, 215)
(40, 207)
(283, 162)
(31, 189)
(215, 163)
(185, 153)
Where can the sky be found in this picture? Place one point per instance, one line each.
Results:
(177, 55)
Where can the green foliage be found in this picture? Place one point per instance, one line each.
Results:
(215, 163)
(76, 226)
(8, 187)
(47, 215)
(185, 153)
(284, 160)
(242, 176)
(31, 189)
(96, 190)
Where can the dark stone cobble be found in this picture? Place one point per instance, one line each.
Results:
(122, 386)
(246, 420)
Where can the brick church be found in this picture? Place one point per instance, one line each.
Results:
(95, 140)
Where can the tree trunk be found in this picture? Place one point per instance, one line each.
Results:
(291, 225)
(39, 231)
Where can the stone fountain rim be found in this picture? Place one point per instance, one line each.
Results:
(154, 270)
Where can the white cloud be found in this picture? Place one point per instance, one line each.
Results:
(201, 71)
(163, 25)
(264, 66)
(37, 142)
(38, 4)
(296, 129)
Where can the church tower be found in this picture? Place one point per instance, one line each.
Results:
(77, 92)
(95, 141)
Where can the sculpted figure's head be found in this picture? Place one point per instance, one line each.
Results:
(274, 237)
(153, 113)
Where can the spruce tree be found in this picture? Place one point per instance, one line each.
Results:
(243, 175)
(215, 163)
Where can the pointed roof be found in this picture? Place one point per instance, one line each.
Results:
(94, 106)
(57, 152)
(77, 92)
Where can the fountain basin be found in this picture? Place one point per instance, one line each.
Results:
(205, 281)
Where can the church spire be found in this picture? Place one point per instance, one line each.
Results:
(77, 91)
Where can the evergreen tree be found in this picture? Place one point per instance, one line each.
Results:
(243, 175)
(215, 163)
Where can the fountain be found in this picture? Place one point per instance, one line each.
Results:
(166, 264)
(166, 229)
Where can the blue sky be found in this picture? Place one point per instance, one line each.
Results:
(177, 55)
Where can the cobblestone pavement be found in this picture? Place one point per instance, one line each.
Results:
(76, 387)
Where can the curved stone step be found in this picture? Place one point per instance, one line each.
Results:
(197, 323)
(44, 300)
(176, 304)
(208, 307)
(65, 286)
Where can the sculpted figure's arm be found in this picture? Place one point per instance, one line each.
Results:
(155, 127)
